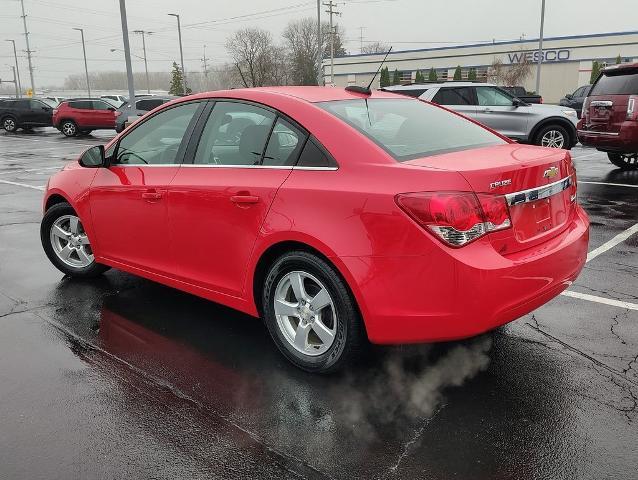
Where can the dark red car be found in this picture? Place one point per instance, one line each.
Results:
(609, 120)
(83, 115)
(337, 216)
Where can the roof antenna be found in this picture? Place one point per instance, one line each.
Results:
(366, 90)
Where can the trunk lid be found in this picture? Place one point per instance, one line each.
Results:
(533, 179)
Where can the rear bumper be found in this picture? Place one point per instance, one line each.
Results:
(466, 291)
(623, 141)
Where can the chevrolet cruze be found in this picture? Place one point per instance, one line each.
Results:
(338, 216)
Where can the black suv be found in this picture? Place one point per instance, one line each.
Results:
(26, 113)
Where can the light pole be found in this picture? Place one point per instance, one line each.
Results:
(142, 32)
(540, 51)
(181, 51)
(86, 68)
(127, 53)
(29, 52)
(17, 70)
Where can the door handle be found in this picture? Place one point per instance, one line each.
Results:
(152, 196)
(488, 110)
(244, 199)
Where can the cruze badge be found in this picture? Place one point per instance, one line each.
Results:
(550, 172)
(501, 183)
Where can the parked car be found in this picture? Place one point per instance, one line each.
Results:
(609, 120)
(56, 100)
(116, 100)
(143, 105)
(26, 113)
(522, 94)
(575, 100)
(336, 216)
(83, 115)
(540, 124)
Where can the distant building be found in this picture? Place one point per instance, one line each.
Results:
(567, 61)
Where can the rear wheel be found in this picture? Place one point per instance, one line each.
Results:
(625, 161)
(553, 136)
(69, 128)
(9, 124)
(310, 313)
(66, 243)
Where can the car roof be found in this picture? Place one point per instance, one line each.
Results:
(621, 66)
(412, 86)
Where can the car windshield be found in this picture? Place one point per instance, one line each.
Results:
(409, 129)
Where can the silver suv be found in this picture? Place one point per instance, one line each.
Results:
(540, 124)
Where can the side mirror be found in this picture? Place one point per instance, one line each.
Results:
(93, 157)
(569, 96)
(517, 102)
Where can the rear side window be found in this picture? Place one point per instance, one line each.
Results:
(409, 129)
(81, 104)
(314, 156)
(98, 105)
(619, 84)
(284, 144)
(453, 96)
(22, 104)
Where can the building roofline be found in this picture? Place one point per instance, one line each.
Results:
(486, 44)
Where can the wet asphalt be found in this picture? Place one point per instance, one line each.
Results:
(120, 377)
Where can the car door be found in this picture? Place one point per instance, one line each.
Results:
(81, 113)
(103, 114)
(459, 99)
(496, 109)
(129, 198)
(41, 113)
(217, 203)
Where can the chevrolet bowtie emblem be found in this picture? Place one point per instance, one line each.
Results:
(550, 172)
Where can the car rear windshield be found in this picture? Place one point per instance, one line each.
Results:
(618, 83)
(409, 129)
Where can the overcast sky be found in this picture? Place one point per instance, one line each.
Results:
(402, 23)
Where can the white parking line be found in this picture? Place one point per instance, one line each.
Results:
(18, 184)
(610, 184)
(621, 237)
(603, 300)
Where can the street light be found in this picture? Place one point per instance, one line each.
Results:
(86, 68)
(181, 51)
(142, 32)
(127, 52)
(540, 50)
(15, 55)
(132, 54)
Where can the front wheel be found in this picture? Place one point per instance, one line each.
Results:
(10, 124)
(310, 313)
(553, 136)
(69, 128)
(624, 161)
(66, 243)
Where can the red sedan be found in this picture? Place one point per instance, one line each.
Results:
(339, 217)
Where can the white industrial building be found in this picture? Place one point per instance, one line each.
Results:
(567, 61)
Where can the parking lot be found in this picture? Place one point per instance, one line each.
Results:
(120, 377)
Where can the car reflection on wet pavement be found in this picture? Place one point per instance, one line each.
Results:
(119, 377)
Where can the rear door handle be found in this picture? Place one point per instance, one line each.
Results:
(152, 196)
(488, 110)
(244, 199)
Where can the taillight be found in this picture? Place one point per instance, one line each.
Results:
(584, 111)
(632, 108)
(541, 100)
(456, 218)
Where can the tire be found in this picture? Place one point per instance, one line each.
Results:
(338, 321)
(624, 161)
(59, 218)
(553, 136)
(69, 128)
(10, 124)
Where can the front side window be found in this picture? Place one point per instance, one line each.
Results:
(156, 141)
(492, 97)
(235, 134)
(409, 129)
(453, 96)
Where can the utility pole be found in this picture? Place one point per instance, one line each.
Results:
(15, 83)
(17, 69)
(142, 32)
(127, 54)
(540, 50)
(26, 38)
(205, 86)
(332, 12)
(86, 68)
(319, 46)
(181, 51)
(361, 37)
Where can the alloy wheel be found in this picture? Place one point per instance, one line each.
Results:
(70, 242)
(69, 129)
(553, 139)
(9, 124)
(305, 312)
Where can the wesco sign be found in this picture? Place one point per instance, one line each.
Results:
(546, 56)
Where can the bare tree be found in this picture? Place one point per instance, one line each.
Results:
(301, 44)
(375, 47)
(511, 75)
(254, 57)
